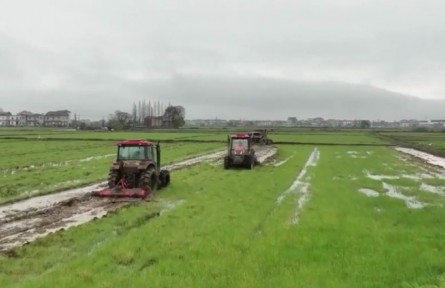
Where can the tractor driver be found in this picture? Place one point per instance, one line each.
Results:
(239, 147)
(138, 154)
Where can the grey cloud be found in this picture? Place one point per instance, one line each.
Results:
(209, 56)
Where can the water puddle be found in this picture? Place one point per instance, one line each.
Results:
(379, 177)
(432, 189)
(410, 201)
(356, 154)
(369, 192)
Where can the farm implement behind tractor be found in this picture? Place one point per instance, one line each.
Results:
(259, 136)
(136, 173)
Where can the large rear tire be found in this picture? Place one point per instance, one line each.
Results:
(113, 178)
(226, 162)
(164, 178)
(249, 162)
(149, 179)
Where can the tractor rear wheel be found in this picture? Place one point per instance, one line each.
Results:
(249, 162)
(113, 178)
(226, 162)
(149, 179)
(164, 178)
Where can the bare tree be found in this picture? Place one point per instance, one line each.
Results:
(140, 112)
(134, 114)
(144, 109)
(120, 120)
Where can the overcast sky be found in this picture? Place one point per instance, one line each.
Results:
(107, 54)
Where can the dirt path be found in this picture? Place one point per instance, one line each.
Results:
(428, 158)
(24, 221)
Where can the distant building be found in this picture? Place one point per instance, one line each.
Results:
(292, 121)
(57, 118)
(5, 118)
(27, 118)
(18, 120)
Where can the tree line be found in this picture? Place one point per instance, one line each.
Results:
(148, 114)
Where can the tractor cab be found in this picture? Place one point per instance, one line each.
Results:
(240, 144)
(135, 150)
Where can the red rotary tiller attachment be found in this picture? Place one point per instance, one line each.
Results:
(122, 191)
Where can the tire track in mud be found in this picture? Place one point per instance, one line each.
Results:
(299, 187)
(25, 221)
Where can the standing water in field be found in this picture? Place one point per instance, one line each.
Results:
(432, 189)
(411, 202)
(312, 161)
(300, 186)
(369, 192)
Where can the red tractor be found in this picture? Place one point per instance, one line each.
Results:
(136, 171)
(240, 152)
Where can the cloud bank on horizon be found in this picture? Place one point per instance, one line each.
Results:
(276, 58)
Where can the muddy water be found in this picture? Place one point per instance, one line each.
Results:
(46, 201)
(265, 153)
(27, 220)
(26, 226)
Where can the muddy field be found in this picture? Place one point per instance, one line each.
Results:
(24, 221)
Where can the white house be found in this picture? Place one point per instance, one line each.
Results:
(5, 118)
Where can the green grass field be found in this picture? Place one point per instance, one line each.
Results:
(261, 228)
(352, 138)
